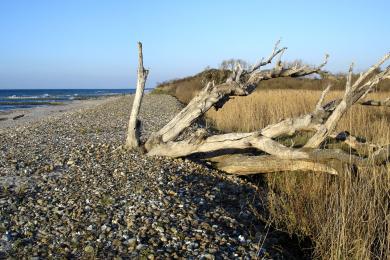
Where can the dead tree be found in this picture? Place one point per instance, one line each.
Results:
(377, 103)
(133, 132)
(272, 156)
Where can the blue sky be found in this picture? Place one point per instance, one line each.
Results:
(92, 43)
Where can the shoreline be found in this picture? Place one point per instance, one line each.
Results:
(20, 117)
(70, 190)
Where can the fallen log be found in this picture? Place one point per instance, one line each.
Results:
(376, 103)
(271, 156)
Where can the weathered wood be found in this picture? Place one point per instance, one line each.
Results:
(132, 140)
(246, 165)
(376, 103)
(359, 144)
(331, 161)
(201, 143)
(217, 95)
(353, 92)
(274, 156)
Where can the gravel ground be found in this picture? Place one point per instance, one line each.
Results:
(68, 189)
(28, 116)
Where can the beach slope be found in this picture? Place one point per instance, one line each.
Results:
(69, 189)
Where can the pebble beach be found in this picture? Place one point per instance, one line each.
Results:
(70, 190)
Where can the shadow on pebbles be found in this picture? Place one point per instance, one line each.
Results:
(69, 190)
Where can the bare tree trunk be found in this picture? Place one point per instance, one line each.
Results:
(353, 93)
(246, 165)
(217, 95)
(133, 133)
(270, 155)
(376, 103)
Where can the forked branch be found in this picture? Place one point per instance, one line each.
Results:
(218, 95)
(271, 155)
(353, 93)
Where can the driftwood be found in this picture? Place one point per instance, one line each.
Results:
(228, 151)
(133, 132)
(377, 103)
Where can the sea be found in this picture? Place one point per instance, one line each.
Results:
(29, 98)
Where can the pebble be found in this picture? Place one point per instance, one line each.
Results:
(71, 189)
(88, 249)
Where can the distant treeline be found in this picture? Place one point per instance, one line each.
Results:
(186, 88)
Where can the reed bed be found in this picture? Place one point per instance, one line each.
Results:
(347, 216)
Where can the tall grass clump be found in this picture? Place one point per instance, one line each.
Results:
(346, 216)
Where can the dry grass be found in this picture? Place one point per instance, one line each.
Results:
(185, 89)
(253, 112)
(348, 216)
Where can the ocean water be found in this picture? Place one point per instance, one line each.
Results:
(29, 98)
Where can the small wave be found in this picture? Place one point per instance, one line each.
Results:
(29, 103)
(21, 97)
(28, 97)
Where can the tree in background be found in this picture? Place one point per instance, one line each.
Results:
(230, 64)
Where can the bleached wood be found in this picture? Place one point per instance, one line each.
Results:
(132, 140)
(322, 97)
(377, 103)
(201, 143)
(353, 92)
(197, 107)
(273, 156)
(246, 165)
(217, 95)
(362, 147)
(276, 51)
